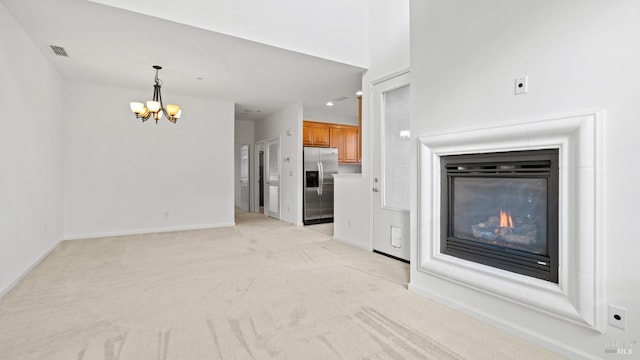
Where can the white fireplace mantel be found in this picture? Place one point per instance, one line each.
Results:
(577, 297)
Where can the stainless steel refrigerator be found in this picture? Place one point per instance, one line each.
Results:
(319, 166)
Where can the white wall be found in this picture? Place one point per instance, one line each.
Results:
(124, 176)
(244, 130)
(388, 38)
(276, 125)
(388, 54)
(330, 118)
(30, 153)
(330, 29)
(577, 55)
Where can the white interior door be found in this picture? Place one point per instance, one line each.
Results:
(244, 177)
(390, 165)
(272, 195)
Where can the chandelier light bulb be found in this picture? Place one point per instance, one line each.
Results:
(137, 107)
(154, 106)
(172, 109)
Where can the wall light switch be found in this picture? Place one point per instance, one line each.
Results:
(521, 85)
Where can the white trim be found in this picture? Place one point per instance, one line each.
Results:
(291, 222)
(578, 297)
(390, 76)
(352, 243)
(146, 231)
(26, 272)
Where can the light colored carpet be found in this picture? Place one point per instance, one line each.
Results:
(326, 228)
(260, 290)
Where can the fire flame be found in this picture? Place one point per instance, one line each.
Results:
(505, 219)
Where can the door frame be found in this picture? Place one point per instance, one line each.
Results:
(267, 174)
(372, 144)
(249, 177)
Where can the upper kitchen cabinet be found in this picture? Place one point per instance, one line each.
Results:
(315, 134)
(345, 139)
(350, 144)
(335, 141)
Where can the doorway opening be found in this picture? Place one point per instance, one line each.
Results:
(261, 180)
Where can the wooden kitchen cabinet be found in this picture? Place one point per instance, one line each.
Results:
(345, 138)
(350, 144)
(335, 141)
(315, 134)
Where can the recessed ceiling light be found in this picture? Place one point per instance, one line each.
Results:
(359, 93)
(329, 103)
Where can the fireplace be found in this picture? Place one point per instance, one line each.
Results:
(501, 209)
(574, 291)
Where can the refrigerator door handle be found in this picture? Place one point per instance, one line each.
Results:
(321, 177)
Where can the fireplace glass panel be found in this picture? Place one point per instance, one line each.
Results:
(505, 212)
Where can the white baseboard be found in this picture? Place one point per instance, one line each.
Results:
(512, 328)
(145, 231)
(352, 243)
(286, 221)
(26, 272)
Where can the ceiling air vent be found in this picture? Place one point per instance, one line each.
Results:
(340, 98)
(59, 50)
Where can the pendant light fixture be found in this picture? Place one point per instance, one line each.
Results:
(155, 107)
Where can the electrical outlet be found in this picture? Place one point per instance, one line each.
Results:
(521, 85)
(617, 317)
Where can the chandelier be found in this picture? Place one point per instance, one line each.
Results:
(155, 107)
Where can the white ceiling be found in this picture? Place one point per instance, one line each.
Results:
(115, 47)
(337, 30)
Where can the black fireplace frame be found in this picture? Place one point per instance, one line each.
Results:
(513, 164)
